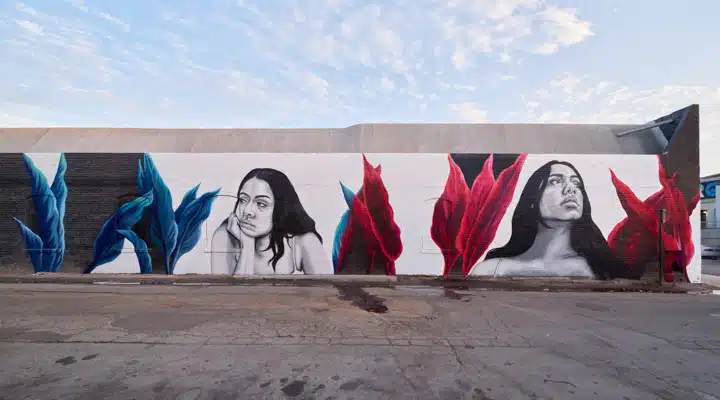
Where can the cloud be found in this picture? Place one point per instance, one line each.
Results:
(563, 26)
(31, 27)
(387, 83)
(580, 99)
(501, 28)
(470, 112)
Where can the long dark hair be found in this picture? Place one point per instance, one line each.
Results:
(289, 217)
(585, 237)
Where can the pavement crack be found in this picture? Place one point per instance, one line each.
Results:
(403, 372)
(455, 353)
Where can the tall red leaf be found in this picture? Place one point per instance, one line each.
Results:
(448, 214)
(481, 188)
(642, 221)
(484, 227)
(360, 218)
(678, 218)
(693, 203)
(381, 213)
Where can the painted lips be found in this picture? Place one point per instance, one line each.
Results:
(246, 224)
(572, 202)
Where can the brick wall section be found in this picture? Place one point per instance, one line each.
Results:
(96, 184)
(15, 188)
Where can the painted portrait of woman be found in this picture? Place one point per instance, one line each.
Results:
(553, 233)
(268, 231)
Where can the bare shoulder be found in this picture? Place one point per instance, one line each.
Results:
(221, 237)
(307, 239)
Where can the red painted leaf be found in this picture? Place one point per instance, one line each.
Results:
(693, 203)
(620, 230)
(639, 231)
(361, 192)
(678, 219)
(481, 188)
(448, 214)
(381, 213)
(360, 219)
(639, 214)
(484, 227)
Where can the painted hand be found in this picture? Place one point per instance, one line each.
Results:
(233, 227)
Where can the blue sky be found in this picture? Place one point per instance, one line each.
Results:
(335, 63)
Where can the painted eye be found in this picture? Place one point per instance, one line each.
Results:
(243, 201)
(262, 205)
(554, 181)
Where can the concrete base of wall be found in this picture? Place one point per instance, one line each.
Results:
(505, 284)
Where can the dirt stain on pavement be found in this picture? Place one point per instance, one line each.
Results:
(294, 388)
(362, 299)
(66, 360)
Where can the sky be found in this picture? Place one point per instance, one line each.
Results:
(336, 63)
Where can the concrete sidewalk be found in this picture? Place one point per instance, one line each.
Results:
(711, 280)
(263, 342)
(506, 284)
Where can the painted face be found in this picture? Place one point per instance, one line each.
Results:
(255, 208)
(562, 199)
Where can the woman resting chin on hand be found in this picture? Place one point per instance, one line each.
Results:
(268, 232)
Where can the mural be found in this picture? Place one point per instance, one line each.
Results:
(46, 249)
(174, 233)
(483, 215)
(369, 222)
(552, 228)
(268, 231)
(636, 236)
(553, 232)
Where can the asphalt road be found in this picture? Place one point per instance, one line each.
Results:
(159, 342)
(711, 267)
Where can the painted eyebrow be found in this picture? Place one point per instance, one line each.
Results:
(563, 176)
(257, 197)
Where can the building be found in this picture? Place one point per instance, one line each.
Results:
(709, 217)
(418, 199)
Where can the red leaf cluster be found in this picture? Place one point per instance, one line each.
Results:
(373, 215)
(635, 238)
(465, 221)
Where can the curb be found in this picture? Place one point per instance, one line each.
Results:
(204, 280)
(460, 283)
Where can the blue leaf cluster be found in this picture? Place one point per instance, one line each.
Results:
(47, 247)
(342, 225)
(176, 232)
(109, 242)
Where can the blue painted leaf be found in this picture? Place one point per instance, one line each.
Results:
(60, 191)
(163, 228)
(187, 199)
(59, 188)
(190, 225)
(141, 250)
(108, 244)
(348, 194)
(337, 241)
(34, 246)
(142, 186)
(47, 214)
